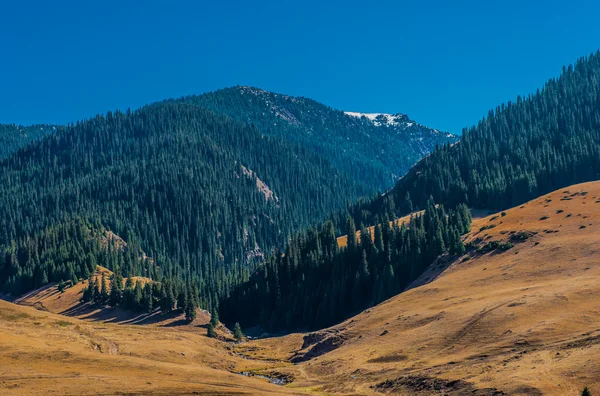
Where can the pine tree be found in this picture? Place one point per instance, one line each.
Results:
(237, 332)
(103, 291)
(116, 290)
(166, 300)
(586, 392)
(138, 296)
(190, 312)
(210, 331)
(182, 300)
(214, 317)
(147, 303)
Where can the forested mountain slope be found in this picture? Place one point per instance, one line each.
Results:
(375, 149)
(518, 320)
(203, 195)
(317, 284)
(12, 137)
(519, 151)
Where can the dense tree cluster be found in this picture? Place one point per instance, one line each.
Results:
(316, 284)
(173, 179)
(522, 150)
(375, 154)
(143, 295)
(13, 137)
(66, 251)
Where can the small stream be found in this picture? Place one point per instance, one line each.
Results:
(273, 380)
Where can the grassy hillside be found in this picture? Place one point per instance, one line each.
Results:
(44, 353)
(516, 314)
(518, 319)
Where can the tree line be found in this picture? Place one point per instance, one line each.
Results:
(519, 151)
(314, 283)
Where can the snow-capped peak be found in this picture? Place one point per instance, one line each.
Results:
(382, 118)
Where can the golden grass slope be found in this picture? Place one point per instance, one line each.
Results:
(68, 303)
(343, 240)
(43, 353)
(522, 321)
(525, 321)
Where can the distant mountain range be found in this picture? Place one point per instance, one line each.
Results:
(205, 185)
(14, 136)
(376, 149)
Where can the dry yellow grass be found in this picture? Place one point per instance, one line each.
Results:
(43, 353)
(524, 321)
(343, 240)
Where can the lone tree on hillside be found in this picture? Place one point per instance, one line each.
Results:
(586, 392)
(210, 331)
(190, 312)
(214, 317)
(237, 332)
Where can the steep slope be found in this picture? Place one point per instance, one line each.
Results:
(517, 315)
(43, 353)
(521, 150)
(13, 137)
(374, 149)
(193, 189)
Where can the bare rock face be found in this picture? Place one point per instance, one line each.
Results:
(317, 344)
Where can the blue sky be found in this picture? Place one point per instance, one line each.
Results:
(444, 63)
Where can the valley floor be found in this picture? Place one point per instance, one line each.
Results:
(519, 314)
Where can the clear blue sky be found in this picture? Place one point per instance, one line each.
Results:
(444, 63)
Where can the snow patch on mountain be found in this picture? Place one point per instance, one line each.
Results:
(380, 119)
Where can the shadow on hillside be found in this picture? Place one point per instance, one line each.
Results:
(37, 295)
(120, 316)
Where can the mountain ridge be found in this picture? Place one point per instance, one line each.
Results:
(372, 150)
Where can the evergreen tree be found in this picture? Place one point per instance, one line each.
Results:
(147, 300)
(586, 392)
(214, 317)
(116, 295)
(103, 299)
(237, 333)
(190, 312)
(210, 331)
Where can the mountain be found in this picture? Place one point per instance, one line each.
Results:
(60, 354)
(195, 190)
(493, 321)
(12, 137)
(206, 185)
(316, 284)
(521, 150)
(375, 149)
(517, 321)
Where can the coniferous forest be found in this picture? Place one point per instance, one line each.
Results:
(521, 150)
(215, 202)
(13, 137)
(375, 152)
(315, 284)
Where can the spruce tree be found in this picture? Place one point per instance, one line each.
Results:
(214, 317)
(147, 303)
(190, 311)
(103, 291)
(586, 392)
(237, 332)
(210, 331)
(115, 296)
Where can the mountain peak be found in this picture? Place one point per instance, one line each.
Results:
(380, 119)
